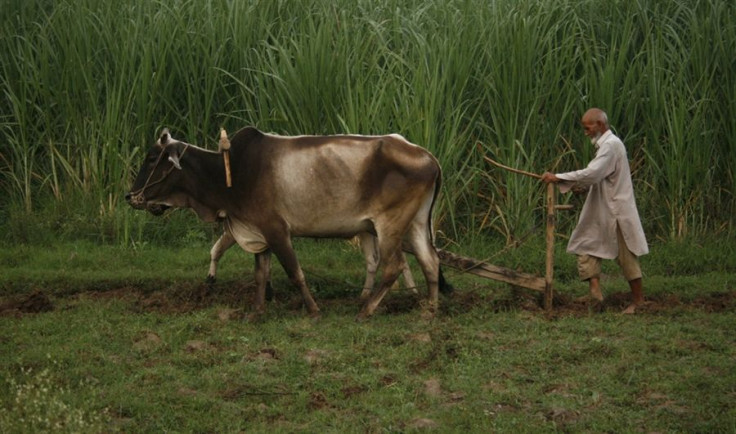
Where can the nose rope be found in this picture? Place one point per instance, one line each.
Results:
(148, 182)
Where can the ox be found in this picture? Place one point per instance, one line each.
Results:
(304, 186)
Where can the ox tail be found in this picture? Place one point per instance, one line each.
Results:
(444, 286)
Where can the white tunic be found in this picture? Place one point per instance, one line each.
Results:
(610, 202)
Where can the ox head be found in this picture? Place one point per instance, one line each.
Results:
(154, 187)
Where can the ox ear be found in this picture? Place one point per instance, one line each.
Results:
(164, 138)
(174, 155)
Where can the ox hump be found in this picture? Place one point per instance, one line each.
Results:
(399, 137)
(246, 135)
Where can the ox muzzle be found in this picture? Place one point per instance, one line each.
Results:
(138, 201)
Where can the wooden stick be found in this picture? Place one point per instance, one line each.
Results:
(549, 266)
(225, 149)
(510, 169)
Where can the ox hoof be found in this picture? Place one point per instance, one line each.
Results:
(428, 314)
(363, 316)
(210, 280)
(429, 311)
(255, 317)
(315, 316)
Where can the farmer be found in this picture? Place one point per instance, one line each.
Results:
(609, 225)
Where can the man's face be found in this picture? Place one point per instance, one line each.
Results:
(592, 129)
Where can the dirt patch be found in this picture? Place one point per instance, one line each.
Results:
(716, 302)
(422, 423)
(565, 305)
(350, 391)
(318, 401)
(147, 341)
(235, 298)
(236, 392)
(35, 302)
(182, 298)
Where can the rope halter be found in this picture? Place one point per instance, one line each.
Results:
(137, 197)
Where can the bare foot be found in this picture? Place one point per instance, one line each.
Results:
(596, 294)
(632, 308)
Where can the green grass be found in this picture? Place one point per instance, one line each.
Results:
(475, 371)
(133, 343)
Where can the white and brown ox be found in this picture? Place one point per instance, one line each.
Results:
(304, 186)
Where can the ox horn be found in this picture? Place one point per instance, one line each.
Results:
(164, 137)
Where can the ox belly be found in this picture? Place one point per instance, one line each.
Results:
(335, 226)
(250, 238)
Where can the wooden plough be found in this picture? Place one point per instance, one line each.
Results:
(507, 275)
(489, 271)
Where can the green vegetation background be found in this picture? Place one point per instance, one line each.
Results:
(86, 86)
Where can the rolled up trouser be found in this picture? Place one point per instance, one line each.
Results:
(590, 266)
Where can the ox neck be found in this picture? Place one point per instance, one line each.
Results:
(206, 184)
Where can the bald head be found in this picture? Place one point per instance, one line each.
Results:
(595, 123)
(596, 115)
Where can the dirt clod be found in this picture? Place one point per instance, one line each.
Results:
(422, 423)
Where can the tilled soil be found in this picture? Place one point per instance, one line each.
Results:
(186, 297)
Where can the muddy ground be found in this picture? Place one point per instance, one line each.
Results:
(185, 298)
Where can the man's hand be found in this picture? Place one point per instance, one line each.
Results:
(548, 177)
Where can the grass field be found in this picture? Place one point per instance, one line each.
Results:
(106, 324)
(105, 339)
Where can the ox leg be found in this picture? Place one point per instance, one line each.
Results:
(370, 251)
(406, 273)
(223, 243)
(262, 275)
(286, 255)
(429, 261)
(390, 264)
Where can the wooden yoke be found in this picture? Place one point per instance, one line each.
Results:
(225, 149)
